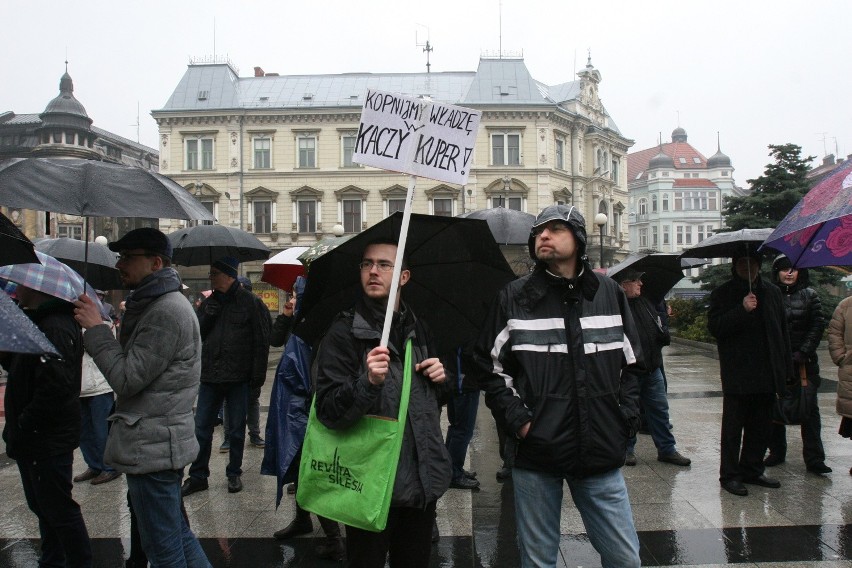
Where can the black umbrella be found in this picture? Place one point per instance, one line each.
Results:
(204, 244)
(509, 227)
(728, 245)
(101, 271)
(456, 270)
(19, 334)
(15, 247)
(661, 271)
(90, 188)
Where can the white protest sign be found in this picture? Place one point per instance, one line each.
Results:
(417, 137)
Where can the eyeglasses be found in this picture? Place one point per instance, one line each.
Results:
(552, 227)
(125, 256)
(382, 265)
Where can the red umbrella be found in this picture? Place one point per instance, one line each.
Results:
(282, 269)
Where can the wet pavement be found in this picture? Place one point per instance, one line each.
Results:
(682, 515)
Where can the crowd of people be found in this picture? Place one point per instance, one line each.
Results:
(565, 359)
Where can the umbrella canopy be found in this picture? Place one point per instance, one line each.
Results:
(727, 245)
(51, 277)
(456, 270)
(15, 247)
(100, 272)
(204, 244)
(19, 334)
(661, 271)
(818, 230)
(91, 188)
(509, 227)
(282, 269)
(319, 248)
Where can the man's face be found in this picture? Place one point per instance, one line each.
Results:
(376, 278)
(135, 264)
(632, 288)
(220, 281)
(788, 276)
(555, 242)
(747, 268)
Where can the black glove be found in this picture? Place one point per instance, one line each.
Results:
(799, 358)
(212, 308)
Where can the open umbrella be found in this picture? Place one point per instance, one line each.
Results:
(509, 227)
(282, 269)
(661, 271)
(818, 230)
(321, 247)
(15, 247)
(51, 277)
(204, 244)
(727, 245)
(19, 334)
(101, 271)
(456, 270)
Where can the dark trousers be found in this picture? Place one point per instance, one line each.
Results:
(47, 488)
(746, 429)
(406, 542)
(812, 449)
(210, 399)
(461, 412)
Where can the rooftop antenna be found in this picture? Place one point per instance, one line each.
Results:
(427, 47)
(137, 122)
(824, 147)
(718, 142)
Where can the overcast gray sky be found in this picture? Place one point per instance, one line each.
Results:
(758, 71)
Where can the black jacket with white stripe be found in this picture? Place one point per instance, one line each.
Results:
(552, 352)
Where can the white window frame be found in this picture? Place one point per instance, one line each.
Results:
(399, 203)
(667, 235)
(351, 151)
(313, 151)
(665, 202)
(197, 162)
(254, 213)
(507, 200)
(434, 200)
(643, 238)
(69, 230)
(679, 235)
(559, 150)
(254, 156)
(299, 227)
(643, 206)
(351, 225)
(506, 159)
(655, 237)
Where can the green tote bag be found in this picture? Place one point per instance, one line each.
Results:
(348, 475)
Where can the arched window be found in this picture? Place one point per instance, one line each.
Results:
(643, 206)
(653, 203)
(665, 202)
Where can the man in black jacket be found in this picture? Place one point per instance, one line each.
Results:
(747, 319)
(652, 385)
(550, 360)
(804, 316)
(356, 376)
(234, 352)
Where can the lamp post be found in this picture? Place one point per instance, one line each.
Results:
(600, 221)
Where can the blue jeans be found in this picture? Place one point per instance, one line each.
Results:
(47, 488)
(210, 398)
(94, 411)
(461, 412)
(602, 502)
(652, 394)
(166, 537)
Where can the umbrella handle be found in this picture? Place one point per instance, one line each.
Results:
(397, 265)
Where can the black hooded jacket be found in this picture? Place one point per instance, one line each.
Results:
(804, 318)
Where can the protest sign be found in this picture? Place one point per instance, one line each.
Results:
(416, 136)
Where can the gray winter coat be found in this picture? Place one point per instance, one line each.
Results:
(155, 378)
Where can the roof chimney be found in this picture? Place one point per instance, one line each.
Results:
(258, 72)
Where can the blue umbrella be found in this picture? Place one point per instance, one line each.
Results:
(19, 334)
(818, 230)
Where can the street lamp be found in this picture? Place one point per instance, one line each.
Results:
(600, 221)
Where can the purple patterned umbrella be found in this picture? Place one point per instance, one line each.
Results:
(818, 231)
(51, 277)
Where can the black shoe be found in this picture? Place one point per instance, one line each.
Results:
(675, 458)
(736, 487)
(819, 468)
(464, 483)
(257, 441)
(630, 459)
(331, 549)
(763, 481)
(291, 489)
(469, 474)
(235, 484)
(772, 460)
(436, 535)
(505, 473)
(192, 485)
(296, 528)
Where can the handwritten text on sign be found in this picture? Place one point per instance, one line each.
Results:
(418, 137)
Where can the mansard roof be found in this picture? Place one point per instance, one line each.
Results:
(683, 155)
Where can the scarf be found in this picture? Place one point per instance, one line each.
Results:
(152, 287)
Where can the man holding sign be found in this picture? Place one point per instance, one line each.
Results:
(356, 376)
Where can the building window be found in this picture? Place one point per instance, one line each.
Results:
(347, 147)
(700, 233)
(688, 233)
(505, 149)
(724, 173)
(679, 235)
(665, 202)
(351, 215)
(643, 238)
(643, 206)
(307, 216)
(262, 216)
(653, 204)
(560, 154)
(395, 205)
(655, 237)
(199, 154)
(69, 231)
(262, 153)
(515, 203)
(666, 236)
(442, 207)
(613, 171)
(307, 151)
